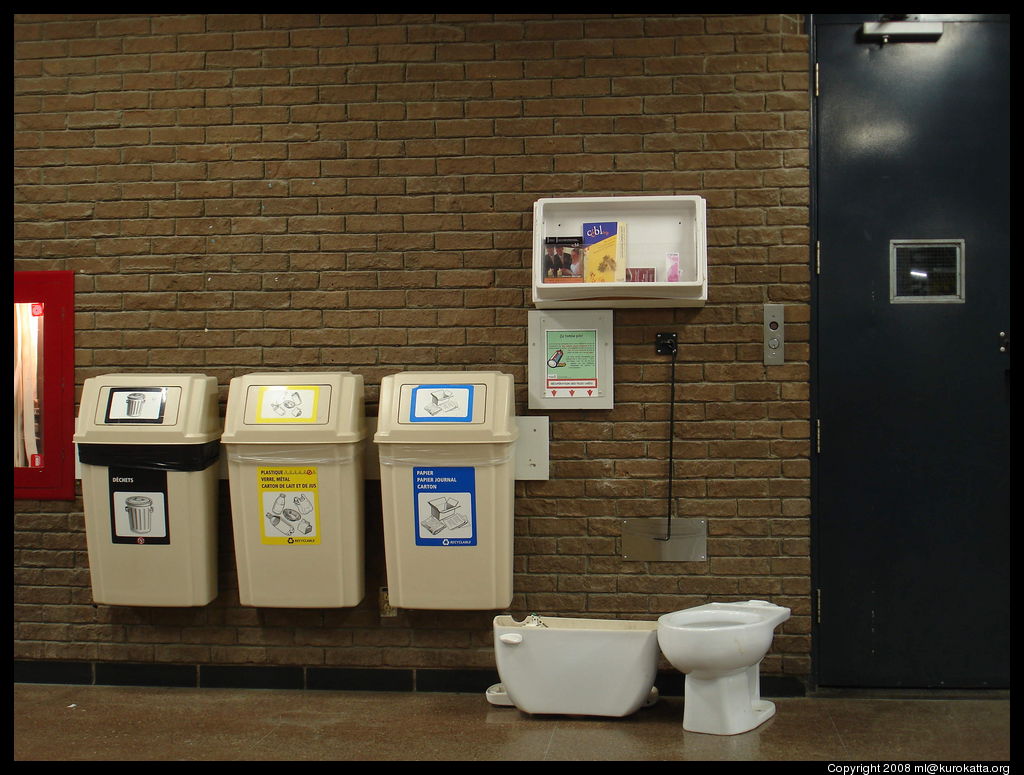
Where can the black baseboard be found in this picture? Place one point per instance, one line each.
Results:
(144, 674)
(53, 672)
(253, 676)
(358, 679)
(669, 684)
(782, 686)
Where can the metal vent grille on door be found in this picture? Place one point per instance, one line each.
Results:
(926, 271)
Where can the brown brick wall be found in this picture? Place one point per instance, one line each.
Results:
(354, 192)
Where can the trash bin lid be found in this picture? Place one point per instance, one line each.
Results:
(148, 409)
(295, 408)
(447, 408)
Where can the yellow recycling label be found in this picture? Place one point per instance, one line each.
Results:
(291, 507)
(288, 404)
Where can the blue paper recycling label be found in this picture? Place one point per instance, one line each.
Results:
(445, 506)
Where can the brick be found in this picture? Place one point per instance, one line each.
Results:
(352, 192)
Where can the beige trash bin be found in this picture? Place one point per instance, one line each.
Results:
(295, 468)
(148, 445)
(447, 464)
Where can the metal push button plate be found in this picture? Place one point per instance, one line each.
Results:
(774, 334)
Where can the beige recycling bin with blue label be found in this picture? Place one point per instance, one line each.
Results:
(149, 446)
(447, 467)
(294, 448)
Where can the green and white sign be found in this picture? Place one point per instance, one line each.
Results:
(571, 363)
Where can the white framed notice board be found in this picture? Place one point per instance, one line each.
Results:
(571, 363)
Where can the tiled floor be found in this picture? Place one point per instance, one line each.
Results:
(61, 722)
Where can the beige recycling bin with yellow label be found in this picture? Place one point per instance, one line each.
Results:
(447, 466)
(149, 445)
(295, 468)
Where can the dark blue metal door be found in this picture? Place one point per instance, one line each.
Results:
(911, 361)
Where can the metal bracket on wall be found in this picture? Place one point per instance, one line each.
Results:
(386, 610)
(644, 539)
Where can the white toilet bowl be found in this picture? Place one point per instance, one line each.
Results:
(719, 646)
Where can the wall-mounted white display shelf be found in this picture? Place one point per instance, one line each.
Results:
(656, 233)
